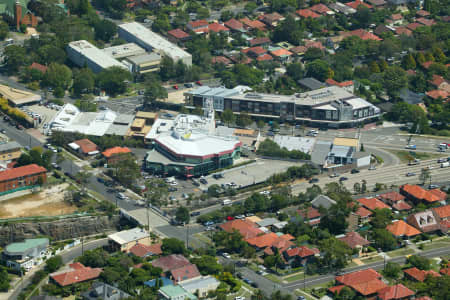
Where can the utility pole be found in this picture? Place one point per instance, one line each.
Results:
(82, 245)
(187, 236)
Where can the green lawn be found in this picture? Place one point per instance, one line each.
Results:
(400, 252)
(404, 156)
(203, 238)
(273, 278)
(372, 259)
(435, 245)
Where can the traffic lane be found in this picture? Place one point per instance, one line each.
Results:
(265, 285)
(184, 233)
(20, 136)
(78, 250)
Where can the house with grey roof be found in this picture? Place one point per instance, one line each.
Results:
(322, 200)
(25, 254)
(311, 83)
(320, 152)
(101, 290)
(200, 285)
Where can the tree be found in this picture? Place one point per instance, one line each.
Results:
(173, 246)
(228, 117)
(4, 30)
(4, 280)
(318, 69)
(295, 71)
(105, 30)
(207, 265)
(260, 124)
(53, 264)
(167, 68)
(409, 62)
(357, 187)
(51, 53)
(384, 239)
(425, 175)
(243, 119)
(15, 57)
(153, 92)
(394, 79)
(113, 80)
(83, 81)
(392, 270)
(126, 170)
(335, 253)
(58, 76)
(364, 186)
(182, 215)
(381, 218)
(420, 262)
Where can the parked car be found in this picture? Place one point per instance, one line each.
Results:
(409, 174)
(343, 178)
(203, 180)
(411, 147)
(334, 175)
(175, 87)
(314, 180)
(433, 186)
(188, 85)
(195, 213)
(226, 255)
(198, 82)
(354, 171)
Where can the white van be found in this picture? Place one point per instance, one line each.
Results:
(226, 202)
(121, 196)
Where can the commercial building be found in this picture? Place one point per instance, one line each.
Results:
(82, 53)
(188, 146)
(10, 151)
(22, 178)
(25, 254)
(18, 97)
(150, 41)
(126, 239)
(123, 51)
(144, 63)
(329, 106)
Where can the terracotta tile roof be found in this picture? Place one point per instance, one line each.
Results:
(403, 30)
(336, 289)
(201, 30)
(301, 251)
(254, 24)
(144, 250)
(354, 239)
(320, 9)
(271, 18)
(309, 213)
(420, 275)
(241, 60)
(392, 196)
(115, 150)
(442, 212)
(281, 52)
(438, 193)
(259, 41)
(246, 228)
(198, 24)
(262, 241)
(287, 237)
(436, 94)
(170, 262)
(298, 49)
(422, 13)
(396, 17)
(419, 193)
(366, 282)
(445, 271)
(76, 273)
(86, 146)
(178, 34)
(21, 172)
(401, 228)
(357, 3)
(307, 13)
(216, 27)
(362, 34)
(401, 205)
(373, 203)
(413, 26)
(258, 50)
(437, 80)
(398, 291)
(363, 212)
(39, 67)
(264, 57)
(331, 81)
(426, 22)
(411, 72)
(220, 59)
(234, 24)
(184, 273)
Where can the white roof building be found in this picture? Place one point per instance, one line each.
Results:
(128, 236)
(125, 50)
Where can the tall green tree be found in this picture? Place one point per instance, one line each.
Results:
(182, 215)
(15, 57)
(113, 80)
(228, 117)
(153, 92)
(394, 79)
(58, 76)
(105, 30)
(4, 30)
(83, 81)
(319, 69)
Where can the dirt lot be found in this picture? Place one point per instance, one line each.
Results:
(49, 202)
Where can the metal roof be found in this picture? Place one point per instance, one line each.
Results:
(94, 54)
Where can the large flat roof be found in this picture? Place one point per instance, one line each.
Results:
(145, 58)
(304, 144)
(26, 245)
(127, 236)
(18, 97)
(154, 40)
(125, 50)
(94, 54)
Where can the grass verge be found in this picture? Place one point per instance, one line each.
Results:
(405, 156)
(400, 252)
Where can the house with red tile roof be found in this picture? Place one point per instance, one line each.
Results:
(363, 214)
(354, 240)
(417, 194)
(298, 50)
(240, 59)
(235, 25)
(425, 22)
(281, 244)
(39, 67)
(253, 24)
(260, 41)
(395, 19)
(436, 94)
(255, 52)
(391, 197)
(402, 229)
(395, 292)
(442, 212)
(246, 228)
(377, 3)
(311, 215)
(347, 85)
(24, 176)
(419, 275)
(221, 60)
(321, 9)
(170, 262)
(265, 57)
(116, 154)
(365, 282)
(425, 221)
(85, 147)
(422, 13)
(183, 273)
(355, 4)
(217, 28)
(373, 203)
(262, 241)
(313, 44)
(198, 26)
(272, 19)
(362, 34)
(282, 55)
(445, 271)
(301, 255)
(437, 81)
(413, 26)
(403, 30)
(178, 36)
(142, 250)
(307, 13)
(76, 274)
(401, 206)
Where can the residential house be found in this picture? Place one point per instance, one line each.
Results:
(127, 239)
(116, 154)
(178, 36)
(438, 94)
(262, 241)
(402, 229)
(322, 201)
(201, 285)
(354, 240)
(425, 221)
(267, 222)
(10, 151)
(218, 28)
(175, 292)
(395, 292)
(417, 194)
(75, 274)
(383, 29)
(143, 251)
(260, 41)
(438, 82)
(298, 50)
(234, 25)
(403, 30)
(199, 26)
(221, 60)
(361, 33)
(38, 67)
(170, 262)
(25, 254)
(342, 8)
(282, 55)
(252, 25)
(101, 290)
(357, 3)
(183, 273)
(307, 13)
(425, 22)
(442, 214)
(422, 13)
(311, 215)
(84, 147)
(23, 177)
(365, 282)
(419, 275)
(246, 228)
(373, 203)
(300, 256)
(395, 19)
(413, 26)
(322, 9)
(363, 214)
(281, 244)
(377, 3)
(272, 19)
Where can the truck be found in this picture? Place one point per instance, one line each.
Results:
(226, 202)
(445, 165)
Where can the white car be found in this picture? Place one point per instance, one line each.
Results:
(173, 183)
(239, 298)
(226, 255)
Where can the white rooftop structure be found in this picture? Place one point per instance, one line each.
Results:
(147, 39)
(304, 144)
(125, 50)
(127, 236)
(84, 53)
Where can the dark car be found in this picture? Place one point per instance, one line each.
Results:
(314, 180)
(188, 85)
(195, 213)
(354, 171)
(343, 178)
(172, 189)
(248, 281)
(254, 284)
(101, 180)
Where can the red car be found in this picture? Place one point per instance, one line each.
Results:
(230, 218)
(175, 87)
(198, 82)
